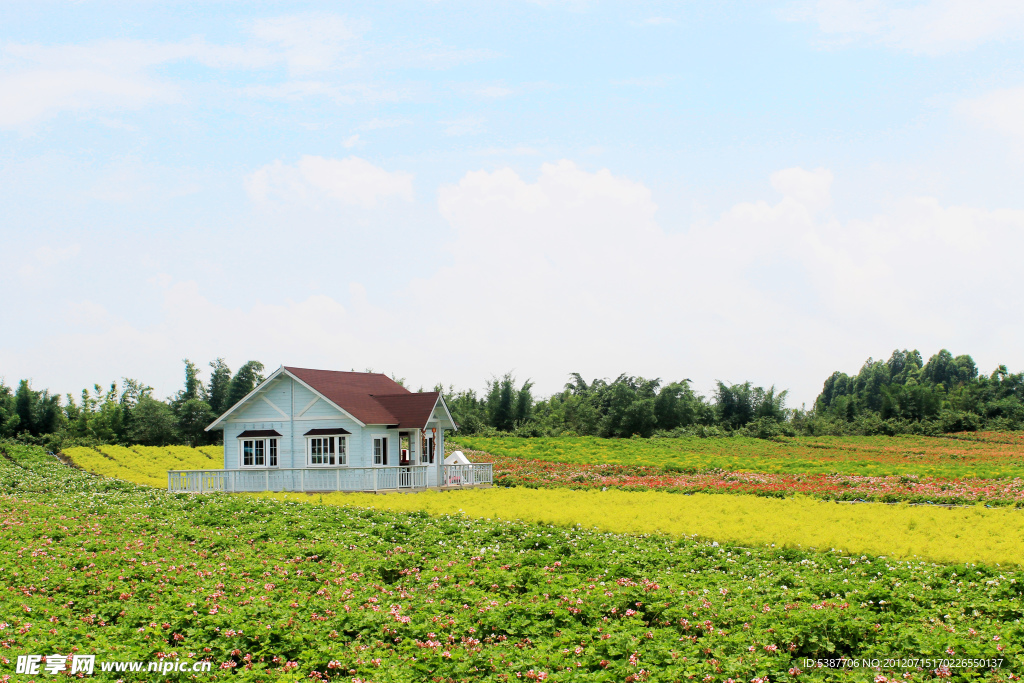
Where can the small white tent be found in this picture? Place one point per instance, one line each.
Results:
(457, 458)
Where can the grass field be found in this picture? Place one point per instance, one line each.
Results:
(271, 590)
(986, 455)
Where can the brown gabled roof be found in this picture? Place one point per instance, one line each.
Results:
(411, 411)
(371, 398)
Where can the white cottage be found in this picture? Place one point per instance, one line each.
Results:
(324, 430)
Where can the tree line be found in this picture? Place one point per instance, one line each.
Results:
(127, 413)
(622, 407)
(903, 394)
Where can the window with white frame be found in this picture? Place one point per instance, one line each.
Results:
(380, 450)
(258, 452)
(327, 451)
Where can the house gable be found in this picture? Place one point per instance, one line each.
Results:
(271, 402)
(285, 395)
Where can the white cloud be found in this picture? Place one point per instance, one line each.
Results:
(351, 180)
(1000, 110)
(926, 26)
(39, 81)
(37, 94)
(45, 258)
(571, 271)
(811, 189)
(314, 42)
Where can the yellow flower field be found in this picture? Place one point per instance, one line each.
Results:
(974, 534)
(146, 465)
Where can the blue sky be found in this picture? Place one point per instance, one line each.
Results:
(449, 191)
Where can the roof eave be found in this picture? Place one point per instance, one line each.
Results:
(440, 398)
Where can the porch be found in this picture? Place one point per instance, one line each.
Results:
(326, 479)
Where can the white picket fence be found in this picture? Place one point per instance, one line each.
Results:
(323, 479)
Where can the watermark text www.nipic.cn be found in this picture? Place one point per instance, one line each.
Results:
(86, 664)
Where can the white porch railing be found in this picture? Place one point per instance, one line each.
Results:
(468, 475)
(321, 479)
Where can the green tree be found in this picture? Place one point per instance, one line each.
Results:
(248, 377)
(501, 403)
(154, 423)
(193, 385)
(219, 388)
(468, 411)
(734, 404)
(677, 406)
(943, 368)
(194, 415)
(524, 403)
(9, 418)
(630, 407)
(38, 412)
(190, 408)
(770, 405)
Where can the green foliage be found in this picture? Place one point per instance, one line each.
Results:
(9, 419)
(501, 403)
(193, 417)
(621, 408)
(630, 407)
(219, 388)
(125, 415)
(677, 406)
(153, 423)
(904, 395)
(248, 377)
(737, 405)
(37, 412)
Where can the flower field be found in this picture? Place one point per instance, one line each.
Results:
(512, 471)
(974, 534)
(145, 464)
(270, 590)
(990, 455)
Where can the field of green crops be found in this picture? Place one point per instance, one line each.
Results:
(987, 455)
(272, 590)
(145, 464)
